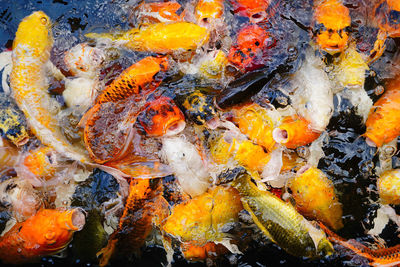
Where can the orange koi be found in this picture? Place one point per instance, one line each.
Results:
(31, 52)
(41, 162)
(45, 233)
(389, 187)
(208, 9)
(254, 122)
(315, 197)
(144, 206)
(134, 79)
(159, 38)
(382, 123)
(162, 117)
(377, 257)
(254, 9)
(159, 12)
(331, 21)
(247, 52)
(199, 253)
(294, 132)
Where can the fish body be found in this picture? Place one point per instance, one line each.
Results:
(201, 219)
(255, 122)
(13, 125)
(45, 233)
(280, 221)
(159, 12)
(387, 15)
(160, 38)
(382, 122)
(294, 132)
(161, 117)
(247, 53)
(315, 197)
(31, 51)
(377, 257)
(389, 187)
(187, 165)
(332, 19)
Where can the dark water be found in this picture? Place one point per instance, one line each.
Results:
(348, 161)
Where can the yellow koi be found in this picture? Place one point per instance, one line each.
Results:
(159, 38)
(31, 52)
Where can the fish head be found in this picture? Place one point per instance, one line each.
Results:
(247, 52)
(84, 60)
(332, 20)
(34, 33)
(42, 162)
(51, 230)
(162, 117)
(160, 12)
(213, 64)
(13, 126)
(200, 109)
(254, 9)
(387, 14)
(208, 10)
(325, 247)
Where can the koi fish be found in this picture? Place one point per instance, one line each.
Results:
(389, 187)
(382, 126)
(31, 51)
(315, 197)
(144, 206)
(159, 12)
(192, 252)
(20, 198)
(200, 109)
(279, 221)
(332, 20)
(42, 162)
(248, 50)
(295, 132)
(201, 219)
(212, 66)
(8, 154)
(159, 38)
(45, 233)
(377, 257)
(187, 165)
(114, 111)
(253, 9)
(256, 123)
(13, 124)
(161, 117)
(206, 10)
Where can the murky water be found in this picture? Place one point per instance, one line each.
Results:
(349, 162)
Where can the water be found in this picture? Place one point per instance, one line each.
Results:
(348, 161)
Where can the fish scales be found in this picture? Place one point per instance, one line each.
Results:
(31, 52)
(275, 218)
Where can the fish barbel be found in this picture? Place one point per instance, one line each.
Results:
(159, 38)
(31, 52)
(280, 221)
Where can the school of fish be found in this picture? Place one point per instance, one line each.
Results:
(201, 127)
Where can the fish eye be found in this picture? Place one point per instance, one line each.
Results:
(43, 20)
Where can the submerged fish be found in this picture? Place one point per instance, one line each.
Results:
(280, 221)
(211, 250)
(332, 19)
(382, 123)
(159, 12)
(256, 10)
(46, 233)
(202, 219)
(389, 187)
(31, 52)
(159, 38)
(315, 197)
(13, 124)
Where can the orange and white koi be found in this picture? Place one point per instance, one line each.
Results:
(45, 233)
(207, 10)
(159, 12)
(42, 162)
(159, 37)
(294, 132)
(256, 10)
(332, 19)
(382, 126)
(31, 52)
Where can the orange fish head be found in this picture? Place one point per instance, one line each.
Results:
(247, 52)
(387, 14)
(42, 162)
(256, 10)
(162, 117)
(332, 20)
(208, 10)
(199, 108)
(52, 230)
